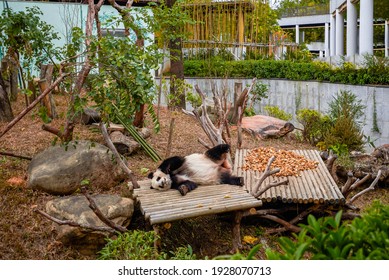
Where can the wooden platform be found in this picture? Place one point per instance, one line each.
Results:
(313, 186)
(167, 206)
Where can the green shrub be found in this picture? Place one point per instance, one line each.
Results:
(344, 111)
(315, 125)
(365, 238)
(344, 132)
(132, 245)
(345, 103)
(241, 256)
(299, 69)
(276, 112)
(139, 245)
(183, 253)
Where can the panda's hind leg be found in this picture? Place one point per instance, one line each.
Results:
(218, 153)
(227, 178)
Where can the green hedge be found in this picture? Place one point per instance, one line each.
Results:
(284, 69)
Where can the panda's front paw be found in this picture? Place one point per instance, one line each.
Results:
(183, 189)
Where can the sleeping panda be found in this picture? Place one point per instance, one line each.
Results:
(186, 173)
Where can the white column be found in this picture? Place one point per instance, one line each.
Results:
(352, 28)
(332, 35)
(339, 33)
(297, 34)
(386, 38)
(366, 27)
(326, 39)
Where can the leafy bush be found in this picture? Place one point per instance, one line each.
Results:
(365, 238)
(373, 73)
(345, 103)
(315, 125)
(135, 245)
(344, 111)
(345, 133)
(241, 256)
(139, 245)
(276, 112)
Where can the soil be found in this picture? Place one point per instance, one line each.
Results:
(27, 235)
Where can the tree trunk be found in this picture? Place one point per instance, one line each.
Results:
(176, 67)
(48, 101)
(6, 114)
(10, 64)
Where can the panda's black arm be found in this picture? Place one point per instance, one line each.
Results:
(171, 164)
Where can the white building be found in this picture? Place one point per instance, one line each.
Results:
(358, 27)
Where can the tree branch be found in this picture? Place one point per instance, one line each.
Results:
(99, 214)
(287, 225)
(33, 104)
(370, 188)
(13, 155)
(123, 164)
(257, 189)
(74, 224)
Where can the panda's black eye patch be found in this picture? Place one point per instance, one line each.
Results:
(159, 178)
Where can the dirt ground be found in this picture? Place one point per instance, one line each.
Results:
(27, 235)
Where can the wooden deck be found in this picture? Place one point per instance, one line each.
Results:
(167, 206)
(313, 186)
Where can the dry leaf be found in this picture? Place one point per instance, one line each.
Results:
(167, 225)
(290, 163)
(250, 239)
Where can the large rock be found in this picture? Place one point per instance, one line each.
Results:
(61, 169)
(76, 208)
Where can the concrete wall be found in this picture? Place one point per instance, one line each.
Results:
(291, 96)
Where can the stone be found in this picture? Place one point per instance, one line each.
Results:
(60, 169)
(76, 208)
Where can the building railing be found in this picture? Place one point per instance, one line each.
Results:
(307, 11)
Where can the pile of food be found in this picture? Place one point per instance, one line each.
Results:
(290, 163)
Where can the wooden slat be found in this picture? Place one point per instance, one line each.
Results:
(167, 206)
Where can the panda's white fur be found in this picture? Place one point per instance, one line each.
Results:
(201, 169)
(186, 173)
(197, 168)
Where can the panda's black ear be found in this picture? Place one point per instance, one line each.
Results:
(150, 176)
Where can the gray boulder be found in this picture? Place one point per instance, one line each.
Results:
(76, 208)
(61, 169)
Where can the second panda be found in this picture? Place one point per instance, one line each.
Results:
(186, 173)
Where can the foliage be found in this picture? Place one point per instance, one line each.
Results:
(183, 253)
(345, 103)
(286, 69)
(258, 92)
(25, 33)
(135, 245)
(276, 112)
(169, 22)
(315, 125)
(365, 238)
(181, 88)
(139, 245)
(241, 256)
(301, 54)
(124, 77)
(344, 133)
